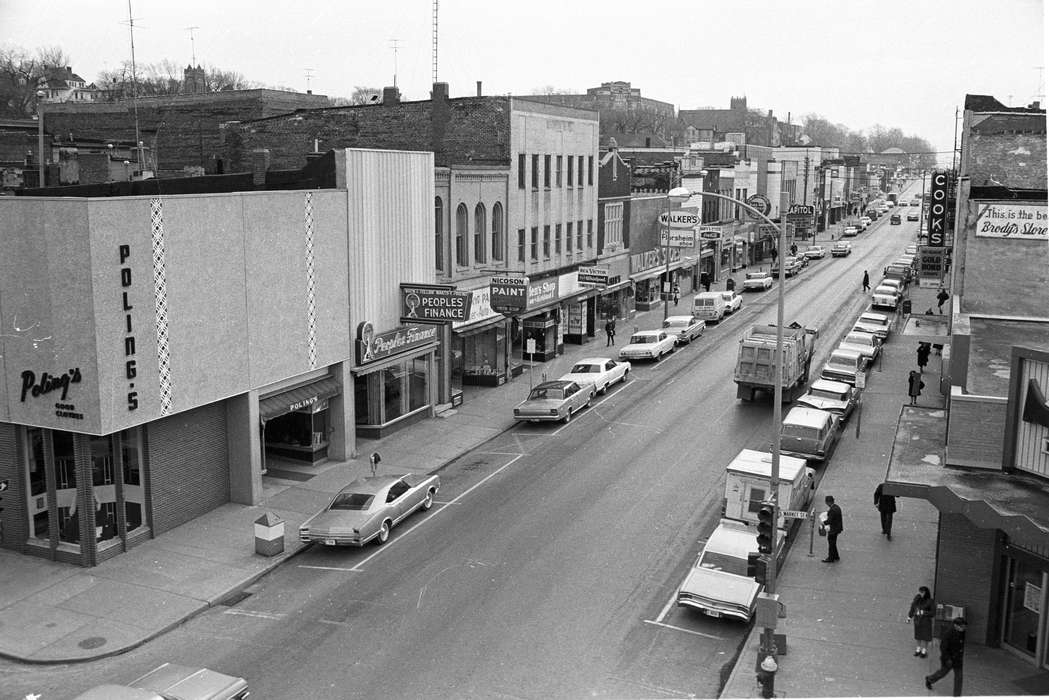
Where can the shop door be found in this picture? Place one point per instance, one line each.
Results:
(1024, 619)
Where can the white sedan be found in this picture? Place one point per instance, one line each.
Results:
(599, 372)
(648, 345)
(757, 281)
(686, 328)
(815, 251)
(733, 301)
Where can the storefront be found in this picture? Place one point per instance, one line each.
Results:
(481, 345)
(393, 377)
(541, 323)
(648, 273)
(295, 422)
(617, 299)
(1025, 622)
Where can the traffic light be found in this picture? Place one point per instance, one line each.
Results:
(766, 527)
(757, 568)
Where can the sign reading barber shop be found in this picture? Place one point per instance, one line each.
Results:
(372, 346)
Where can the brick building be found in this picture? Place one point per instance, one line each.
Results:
(738, 123)
(985, 466)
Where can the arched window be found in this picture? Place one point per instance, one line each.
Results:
(480, 226)
(497, 231)
(461, 223)
(438, 232)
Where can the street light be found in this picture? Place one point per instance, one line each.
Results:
(678, 195)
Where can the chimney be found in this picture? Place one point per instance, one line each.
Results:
(391, 95)
(1034, 105)
(260, 163)
(479, 88)
(439, 92)
(440, 116)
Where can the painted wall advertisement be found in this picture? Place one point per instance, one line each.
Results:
(1017, 221)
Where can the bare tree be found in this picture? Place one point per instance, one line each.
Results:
(20, 77)
(363, 95)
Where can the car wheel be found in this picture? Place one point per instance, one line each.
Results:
(623, 378)
(588, 400)
(428, 501)
(384, 532)
(568, 416)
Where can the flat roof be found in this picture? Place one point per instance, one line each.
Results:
(990, 350)
(1014, 502)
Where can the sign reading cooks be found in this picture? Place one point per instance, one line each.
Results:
(372, 346)
(509, 295)
(434, 303)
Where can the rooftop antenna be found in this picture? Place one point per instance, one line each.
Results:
(309, 76)
(192, 45)
(134, 89)
(394, 43)
(1039, 90)
(434, 42)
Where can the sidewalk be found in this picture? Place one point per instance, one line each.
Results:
(845, 628)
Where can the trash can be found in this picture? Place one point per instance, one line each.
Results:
(269, 535)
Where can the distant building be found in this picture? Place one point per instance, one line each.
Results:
(61, 84)
(738, 124)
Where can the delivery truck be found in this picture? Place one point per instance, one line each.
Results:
(755, 364)
(747, 485)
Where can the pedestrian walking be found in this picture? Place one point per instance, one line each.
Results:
(775, 253)
(941, 298)
(730, 284)
(866, 282)
(793, 248)
(610, 332)
(921, 612)
(923, 355)
(834, 528)
(677, 295)
(915, 386)
(886, 506)
(952, 656)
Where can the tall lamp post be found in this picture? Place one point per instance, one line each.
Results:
(678, 195)
(767, 640)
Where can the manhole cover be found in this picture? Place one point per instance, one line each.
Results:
(92, 642)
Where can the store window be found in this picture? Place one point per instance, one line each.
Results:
(38, 522)
(483, 356)
(393, 392)
(613, 225)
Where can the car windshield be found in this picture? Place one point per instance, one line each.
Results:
(545, 392)
(825, 394)
(875, 321)
(756, 275)
(724, 562)
(352, 501)
(586, 368)
(642, 339)
(805, 432)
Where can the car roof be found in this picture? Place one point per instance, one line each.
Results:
(808, 417)
(650, 330)
(592, 360)
(707, 295)
(679, 319)
(370, 484)
(759, 463)
(829, 385)
(874, 316)
(886, 287)
(865, 334)
(733, 538)
(845, 351)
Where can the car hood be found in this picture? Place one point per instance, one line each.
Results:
(823, 403)
(720, 587)
(337, 520)
(183, 682)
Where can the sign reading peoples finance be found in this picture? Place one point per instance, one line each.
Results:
(434, 303)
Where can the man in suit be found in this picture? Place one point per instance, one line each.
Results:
(952, 653)
(886, 506)
(834, 528)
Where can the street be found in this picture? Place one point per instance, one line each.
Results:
(548, 567)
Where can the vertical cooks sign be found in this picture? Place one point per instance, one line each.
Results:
(938, 210)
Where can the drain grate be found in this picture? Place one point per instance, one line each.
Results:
(235, 598)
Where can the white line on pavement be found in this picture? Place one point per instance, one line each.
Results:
(326, 568)
(682, 629)
(254, 613)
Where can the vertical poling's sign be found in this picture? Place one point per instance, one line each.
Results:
(1017, 221)
(938, 209)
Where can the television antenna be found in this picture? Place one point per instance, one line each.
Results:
(309, 72)
(395, 43)
(434, 42)
(192, 46)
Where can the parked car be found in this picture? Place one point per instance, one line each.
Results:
(173, 682)
(884, 297)
(912, 216)
(733, 301)
(866, 344)
(911, 249)
(903, 269)
(809, 433)
(685, 328)
(866, 221)
(894, 219)
(837, 397)
(791, 266)
(648, 345)
(841, 249)
(757, 281)
(368, 507)
(843, 366)
(554, 400)
(598, 372)
(873, 213)
(895, 282)
(718, 584)
(709, 306)
(871, 322)
(851, 231)
(815, 252)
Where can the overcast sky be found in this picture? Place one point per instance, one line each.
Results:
(898, 63)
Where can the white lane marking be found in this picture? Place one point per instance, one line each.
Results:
(254, 613)
(666, 608)
(334, 622)
(682, 629)
(454, 501)
(325, 568)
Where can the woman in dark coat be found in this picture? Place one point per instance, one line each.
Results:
(922, 610)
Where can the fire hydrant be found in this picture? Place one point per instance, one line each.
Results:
(767, 677)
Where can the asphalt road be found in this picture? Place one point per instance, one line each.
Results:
(548, 567)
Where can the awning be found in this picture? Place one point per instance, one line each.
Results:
(1014, 502)
(300, 397)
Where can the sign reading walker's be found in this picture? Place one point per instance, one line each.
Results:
(1017, 221)
(434, 303)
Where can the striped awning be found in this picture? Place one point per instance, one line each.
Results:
(298, 398)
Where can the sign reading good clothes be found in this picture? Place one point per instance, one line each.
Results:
(372, 346)
(434, 303)
(1017, 221)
